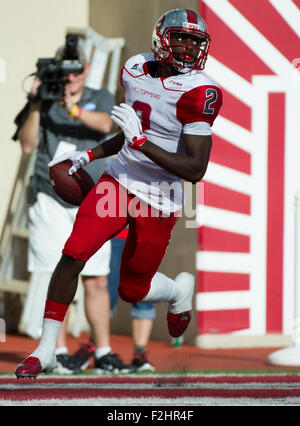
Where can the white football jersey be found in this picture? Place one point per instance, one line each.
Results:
(168, 108)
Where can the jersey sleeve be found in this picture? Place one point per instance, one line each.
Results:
(201, 104)
(198, 128)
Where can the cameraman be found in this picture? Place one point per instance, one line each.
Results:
(80, 120)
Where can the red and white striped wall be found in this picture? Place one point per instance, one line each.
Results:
(245, 258)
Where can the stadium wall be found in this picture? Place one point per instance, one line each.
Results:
(246, 255)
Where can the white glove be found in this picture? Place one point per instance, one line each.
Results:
(79, 159)
(125, 117)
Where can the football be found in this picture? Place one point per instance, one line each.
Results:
(71, 189)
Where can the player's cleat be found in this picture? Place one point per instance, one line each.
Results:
(178, 323)
(63, 364)
(31, 367)
(140, 363)
(76, 363)
(79, 361)
(110, 363)
(179, 312)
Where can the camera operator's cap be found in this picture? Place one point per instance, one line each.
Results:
(61, 51)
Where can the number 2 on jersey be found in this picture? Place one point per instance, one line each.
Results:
(211, 97)
(143, 110)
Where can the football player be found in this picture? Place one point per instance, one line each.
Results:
(170, 106)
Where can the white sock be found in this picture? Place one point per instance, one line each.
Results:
(162, 289)
(100, 352)
(63, 350)
(46, 349)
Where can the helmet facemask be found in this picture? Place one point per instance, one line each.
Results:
(188, 57)
(166, 53)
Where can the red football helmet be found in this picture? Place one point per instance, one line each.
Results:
(184, 21)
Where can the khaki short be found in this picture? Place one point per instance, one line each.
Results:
(50, 225)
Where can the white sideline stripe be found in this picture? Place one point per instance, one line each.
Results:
(230, 81)
(224, 220)
(290, 13)
(223, 300)
(229, 178)
(179, 375)
(155, 402)
(224, 262)
(251, 36)
(141, 386)
(233, 133)
(117, 402)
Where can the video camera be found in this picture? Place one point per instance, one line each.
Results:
(51, 71)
